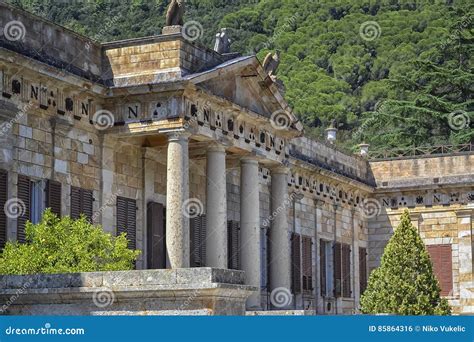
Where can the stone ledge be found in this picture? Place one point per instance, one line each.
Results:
(148, 292)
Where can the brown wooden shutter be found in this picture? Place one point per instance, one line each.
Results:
(82, 202)
(156, 236)
(362, 269)
(24, 195)
(76, 203)
(337, 269)
(346, 271)
(442, 259)
(233, 245)
(3, 200)
(198, 241)
(307, 263)
(296, 262)
(53, 197)
(127, 219)
(132, 224)
(322, 267)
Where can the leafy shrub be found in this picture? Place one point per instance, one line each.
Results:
(65, 245)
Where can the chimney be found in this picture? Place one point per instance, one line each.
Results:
(364, 150)
(331, 134)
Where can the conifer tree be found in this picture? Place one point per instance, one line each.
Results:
(404, 284)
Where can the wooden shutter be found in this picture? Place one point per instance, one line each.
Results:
(53, 197)
(198, 241)
(322, 267)
(82, 202)
(76, 203)
(3, 200)
(307, 263)
(346, 270)
(296, 262)
(24, 195)
(156, 236)
(127, 219)
(233, 245)
(442, 259)
(337, 269)
(362, 269)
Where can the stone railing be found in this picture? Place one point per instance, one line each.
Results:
(189, 291)
(417, 152)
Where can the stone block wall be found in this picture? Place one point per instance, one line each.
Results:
(51, 44)
(438, 225)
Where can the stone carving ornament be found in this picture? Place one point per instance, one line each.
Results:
(175, 13)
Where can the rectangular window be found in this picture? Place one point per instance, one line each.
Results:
(127, 220)
(346, 271)
(198, 241)
(362, 269)
(307, 266)
(296, 262)
(233, 245)
(3, 201)
(326, 268)
(342, 270)
(156, 236)
(442, 259)
(264, 257)
(337, 269)
(37, 201)
(82, 202)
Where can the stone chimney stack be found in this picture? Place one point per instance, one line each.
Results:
(331, 133)
(364, 150)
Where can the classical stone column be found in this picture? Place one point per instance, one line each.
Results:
(216, 207)
(250, 227)
(280, 258)
(177, 192)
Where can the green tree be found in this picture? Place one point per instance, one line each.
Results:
(65, 245)
(404, 284)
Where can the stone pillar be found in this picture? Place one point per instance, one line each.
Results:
(250, 227)
(177, 192)
(216, 207)
(280, 272)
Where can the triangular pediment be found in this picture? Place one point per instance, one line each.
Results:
(242, 81)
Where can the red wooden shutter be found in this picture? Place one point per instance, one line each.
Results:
(23, 195)
(346, 270)
(337, 269)
(322, 267)
(3, 200)
(53, 197)
(233, 245)
(307, 263)
(442, 259)
(156, 236)
(362, 269)
(127, 219)
(296, 262)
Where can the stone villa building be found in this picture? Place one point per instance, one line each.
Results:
(195, 154)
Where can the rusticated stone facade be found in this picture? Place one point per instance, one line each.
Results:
(199, 159)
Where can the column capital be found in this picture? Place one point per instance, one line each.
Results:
(249, 160)
(213, 147)
(280, 169)
(180, 135)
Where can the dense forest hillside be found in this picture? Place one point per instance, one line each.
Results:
(390, 73)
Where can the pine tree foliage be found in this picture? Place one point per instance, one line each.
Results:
(404, 284)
